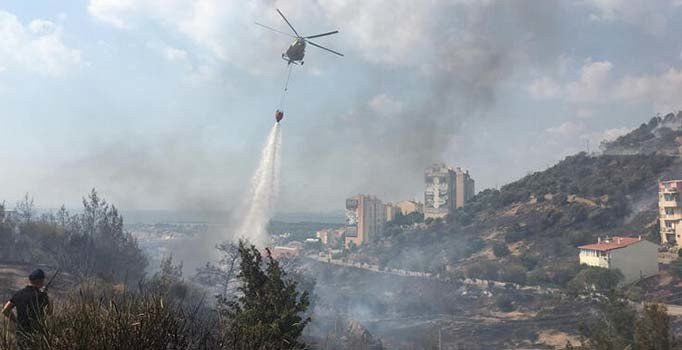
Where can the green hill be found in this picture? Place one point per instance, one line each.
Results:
(528, 230)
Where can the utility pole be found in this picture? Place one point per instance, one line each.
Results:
(440, 338)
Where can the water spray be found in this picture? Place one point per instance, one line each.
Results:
(264, 191)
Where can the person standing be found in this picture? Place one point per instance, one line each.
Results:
(31, 304)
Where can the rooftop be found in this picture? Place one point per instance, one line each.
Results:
(611, 243)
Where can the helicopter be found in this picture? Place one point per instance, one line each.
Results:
(296, 50)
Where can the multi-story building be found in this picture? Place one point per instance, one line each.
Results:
(634, 257)
(446, 189)
(391, 211)
(464, 187)
(331, 237)
(407, 207)
(670, 211)
(365, 218)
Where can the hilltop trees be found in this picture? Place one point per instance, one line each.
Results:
(91, 243)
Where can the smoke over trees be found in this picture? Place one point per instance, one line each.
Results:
(93, 243)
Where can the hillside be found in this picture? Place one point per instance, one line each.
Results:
(528, 230)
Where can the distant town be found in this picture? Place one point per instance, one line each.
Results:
(448, 188)
(445, 189)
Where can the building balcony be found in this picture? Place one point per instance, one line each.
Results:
(670, 203)
(668, 230)
(672, 217)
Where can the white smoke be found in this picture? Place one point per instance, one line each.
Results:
(264, 190)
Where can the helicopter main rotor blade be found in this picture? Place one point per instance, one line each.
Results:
(275, 30)
(323, 48)
(289, 24)
(319, 35)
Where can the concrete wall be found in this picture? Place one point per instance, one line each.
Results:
(638, 260)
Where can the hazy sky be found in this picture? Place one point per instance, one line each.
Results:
(165, 103)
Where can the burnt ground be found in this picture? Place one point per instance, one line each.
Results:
(409, 313)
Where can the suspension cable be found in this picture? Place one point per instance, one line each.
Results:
(286, 87)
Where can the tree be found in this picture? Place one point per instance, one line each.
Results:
(500, 249)
(25, 209)
(504, 303)
(97, 243)
(676, 267)
(652, 329)
(612, 327)
(270, 312)
(595, 278)
(223, 275)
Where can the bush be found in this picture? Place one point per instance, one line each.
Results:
(486, 270)
(500, 249)
(595, 278)
(515, 234)
(513, 273)
(474, 246)
(676, 267)
(504, 303)
(98, 320)
(529, 261)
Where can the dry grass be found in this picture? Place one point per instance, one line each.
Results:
(98, 320)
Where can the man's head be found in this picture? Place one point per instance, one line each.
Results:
(37, 278)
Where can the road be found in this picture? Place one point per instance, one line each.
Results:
(427, 275)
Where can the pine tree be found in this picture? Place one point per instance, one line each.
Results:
(652, 329)
(270, 313)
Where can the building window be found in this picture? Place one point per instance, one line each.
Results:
(670, 196)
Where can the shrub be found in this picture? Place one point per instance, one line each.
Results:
(486, 270)
(500, 249)
(504, 303)
(513, 273)
(515, 234)
(595, 278)
(676, 267)
(98, 320)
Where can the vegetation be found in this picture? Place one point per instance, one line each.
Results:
(607, 178)
(595, 279)
(676, 267)
(406, 220)
(500, 249)
(270, 312)
(165, 312)
(89, 244)
(617, 325)
(91, 320)
(504, 303)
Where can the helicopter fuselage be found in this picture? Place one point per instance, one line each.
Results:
(295, 52)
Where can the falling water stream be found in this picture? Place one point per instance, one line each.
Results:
(264, 190)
